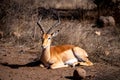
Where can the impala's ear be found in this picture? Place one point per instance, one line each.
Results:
(55, 33)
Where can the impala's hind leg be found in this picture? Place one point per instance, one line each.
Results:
(86, 62)
(58, 65)
(82, 56)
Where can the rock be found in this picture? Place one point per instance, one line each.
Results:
(105, 21)
(79, 74)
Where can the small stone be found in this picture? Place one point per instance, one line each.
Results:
(107, 53)
(98, 33)
(79, 74)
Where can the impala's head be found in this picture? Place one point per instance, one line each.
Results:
(47, 37)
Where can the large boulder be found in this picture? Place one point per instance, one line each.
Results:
(105, 21)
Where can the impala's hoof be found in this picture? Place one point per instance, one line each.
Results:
(41, 65)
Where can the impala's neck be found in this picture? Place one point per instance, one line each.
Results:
(47, 53)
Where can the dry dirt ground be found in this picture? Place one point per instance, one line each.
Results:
(20, 62)
(32, 70)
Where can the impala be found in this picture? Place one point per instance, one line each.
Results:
(61, 55)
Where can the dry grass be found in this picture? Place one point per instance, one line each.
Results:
(19, 27)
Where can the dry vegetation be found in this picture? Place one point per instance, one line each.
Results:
(20, 37)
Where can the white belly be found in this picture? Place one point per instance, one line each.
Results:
(71, 61)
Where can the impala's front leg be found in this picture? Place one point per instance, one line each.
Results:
(42, 66)
(58, 65)
(45, 64)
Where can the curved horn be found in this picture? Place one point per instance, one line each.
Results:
(40, 26)
(54, 25)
